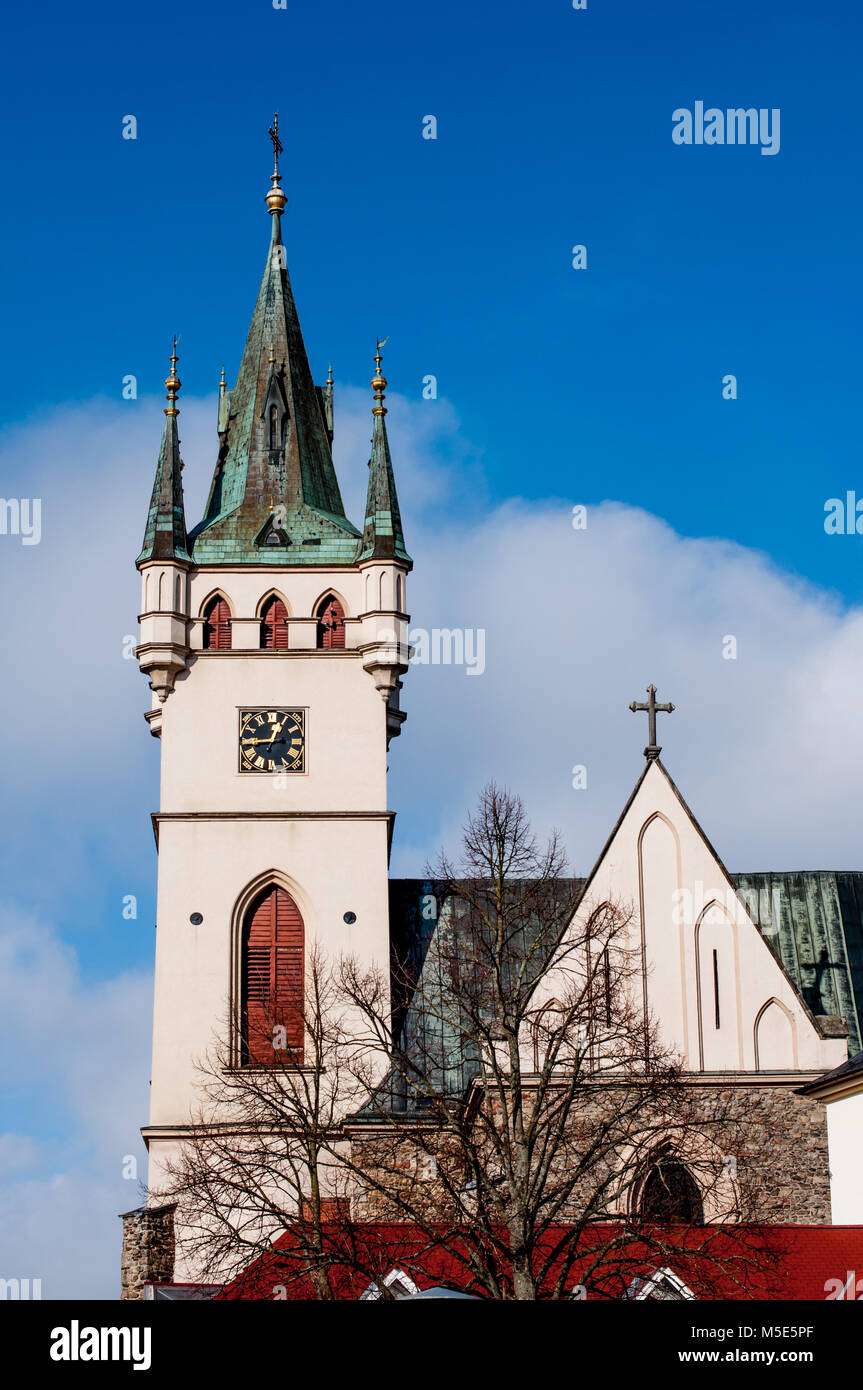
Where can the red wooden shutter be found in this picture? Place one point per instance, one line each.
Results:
(288, 969)
(217, 625)
(331, 624)
(274, 625)
(273, 963)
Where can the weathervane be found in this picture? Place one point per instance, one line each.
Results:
(379, 381)
(651, 709)
(273, 133)
(172, 381)
(276, 199)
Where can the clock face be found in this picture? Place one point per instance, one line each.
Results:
(272, 740)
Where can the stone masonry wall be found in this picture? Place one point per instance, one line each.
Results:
(779, 1154)
(148, 1249)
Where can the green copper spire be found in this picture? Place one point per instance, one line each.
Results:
(382, 533)
(165, 536)
(274, 496)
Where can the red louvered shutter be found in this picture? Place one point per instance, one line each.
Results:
(217, 625)
(288, 963)
(273, 958)
(274, 625)
(331, 624)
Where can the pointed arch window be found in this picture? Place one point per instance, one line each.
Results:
(670, 1195)
(272, 982)
(331, 624)
(274, 426)
(274, 625)
(217, 625)
(549, 1029)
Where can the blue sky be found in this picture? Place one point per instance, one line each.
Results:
(556, 387)
(554, 128)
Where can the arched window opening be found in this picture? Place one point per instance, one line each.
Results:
(549, 1031)
(272, 982)
(602, 990)
(217, 625)
(670, 1195)
(331, 624)
(274, 625)
(274, 427)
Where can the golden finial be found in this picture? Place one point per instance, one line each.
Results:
(330, 381)
(223, 385)
(172, 381)
(272, 357)
(379, 382)
(276, 199)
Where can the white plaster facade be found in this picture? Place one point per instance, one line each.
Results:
(659, 869)
(845, 1140)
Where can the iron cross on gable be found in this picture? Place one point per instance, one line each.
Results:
(651, 709)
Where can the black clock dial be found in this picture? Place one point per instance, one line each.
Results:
(272, 740)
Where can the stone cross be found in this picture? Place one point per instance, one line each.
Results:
(651, 709)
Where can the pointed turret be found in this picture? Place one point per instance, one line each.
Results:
(383, 538)
(164, 564)
(274, 441)
(165, 535)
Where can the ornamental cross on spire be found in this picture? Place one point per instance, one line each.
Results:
(651, 709)
(273, 133)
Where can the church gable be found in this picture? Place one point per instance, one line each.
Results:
(719, 994)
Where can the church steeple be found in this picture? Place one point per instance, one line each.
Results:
(274, 441)
(382, 532)
(165, 534)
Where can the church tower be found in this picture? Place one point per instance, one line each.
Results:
(274, 636)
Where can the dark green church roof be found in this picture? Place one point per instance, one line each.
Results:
(293, 474)
(813, 922)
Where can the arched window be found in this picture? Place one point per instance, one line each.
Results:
(217, 625)
(274, 624)
(549, 1029)
(274, 427)
(670, 1195)
(331, 623)
(271, 1006)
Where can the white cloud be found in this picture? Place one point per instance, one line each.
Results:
(76, 1059)
(767, 748)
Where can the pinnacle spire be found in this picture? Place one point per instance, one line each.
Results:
(274, 438)
(165, 534)
(383, 537)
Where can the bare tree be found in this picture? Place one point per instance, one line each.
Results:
(532, 1122)
(264, 1152)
